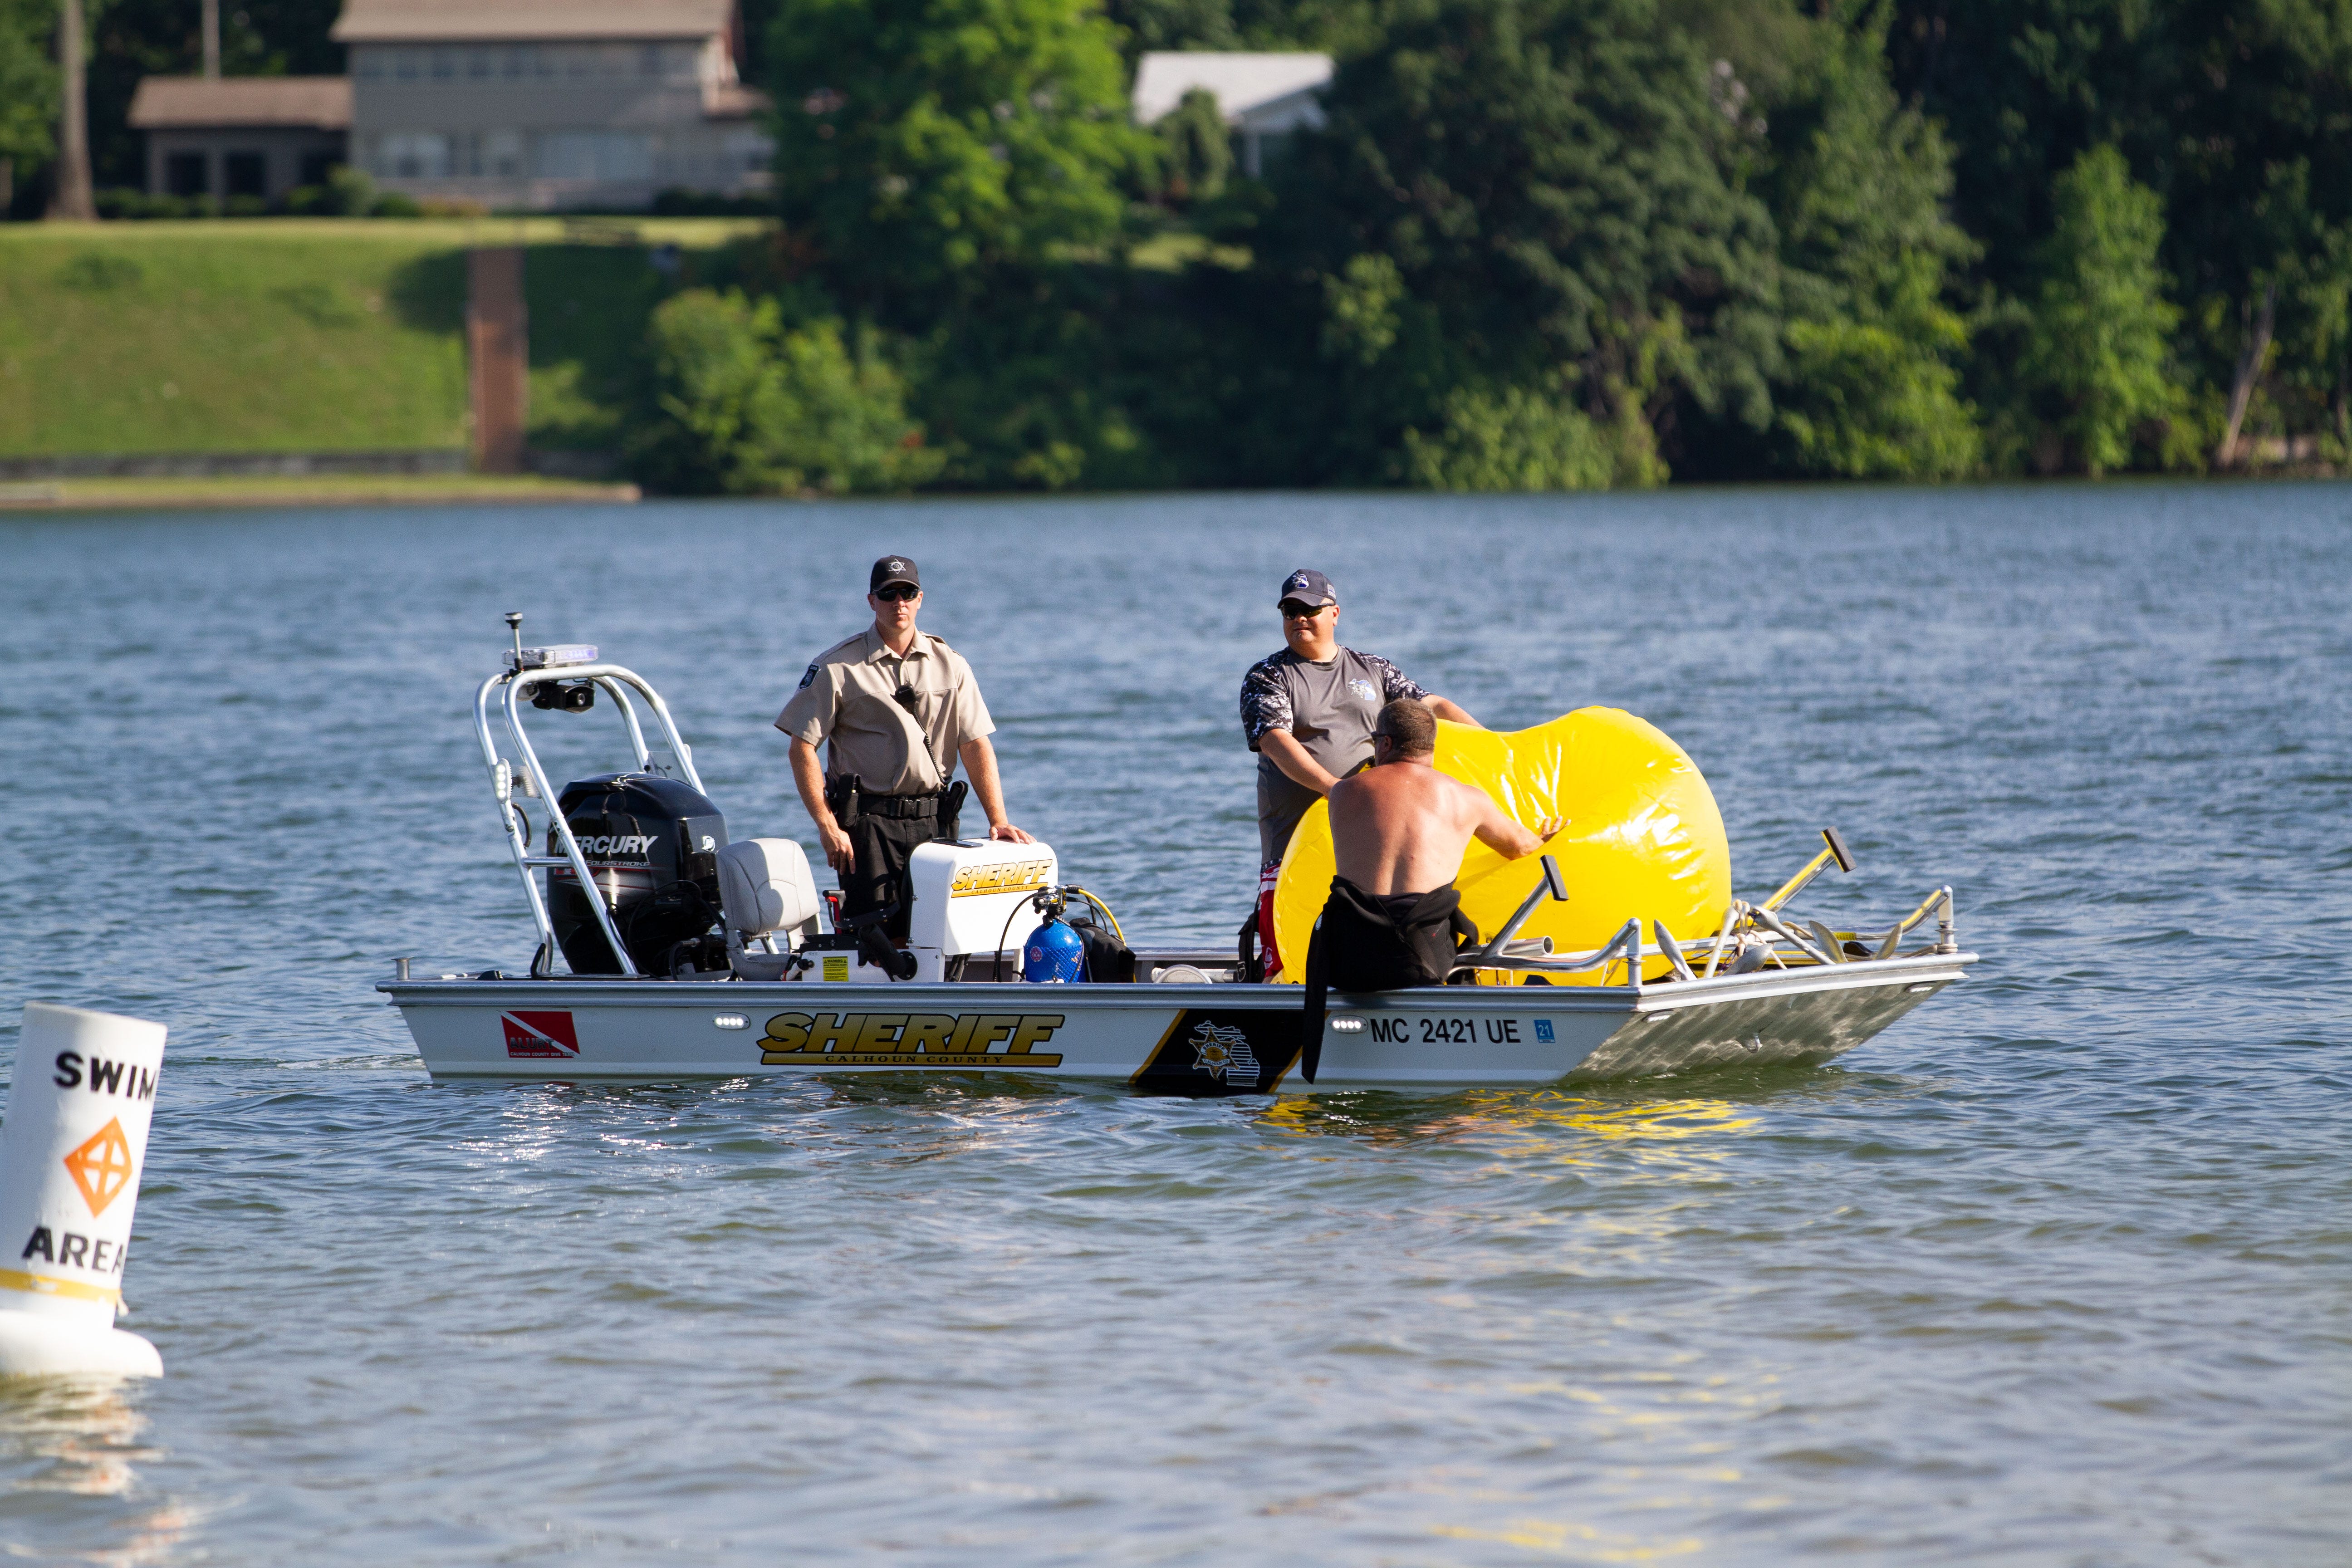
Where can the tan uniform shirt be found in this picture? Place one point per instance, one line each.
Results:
(849, 698)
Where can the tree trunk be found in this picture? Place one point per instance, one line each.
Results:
(7, 186)
(2250, 370)
(73, 199)
(212, 39)
(2343, 409)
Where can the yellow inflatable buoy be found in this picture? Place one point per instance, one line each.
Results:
(1643, 839)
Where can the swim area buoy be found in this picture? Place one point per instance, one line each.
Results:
(1643, 839)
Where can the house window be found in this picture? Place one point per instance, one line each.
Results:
(413, 156)
(318, 166)
(367, 64)
(602, 155)
(188, 174)
(481, 64)
(516, 58)
(749, 151)
(485, 155)
(406, 64)
(246, 173)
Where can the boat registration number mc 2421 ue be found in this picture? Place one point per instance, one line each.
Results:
(1444, 1031)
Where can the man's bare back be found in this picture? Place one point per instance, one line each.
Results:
(1401, 827)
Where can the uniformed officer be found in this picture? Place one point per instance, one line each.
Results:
(895, 708)
(1308, 713)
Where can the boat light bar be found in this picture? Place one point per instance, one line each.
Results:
(552, 657)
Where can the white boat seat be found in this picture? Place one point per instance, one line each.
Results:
(764, 886)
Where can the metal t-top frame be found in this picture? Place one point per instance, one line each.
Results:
(615, 681)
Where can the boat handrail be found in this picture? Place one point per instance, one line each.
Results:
(1743, 923)
(614, 680)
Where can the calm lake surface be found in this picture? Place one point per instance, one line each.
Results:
(2059, 1270)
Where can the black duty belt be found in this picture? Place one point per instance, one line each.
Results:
(849, 800)
(900, 805)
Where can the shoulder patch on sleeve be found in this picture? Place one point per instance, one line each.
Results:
(808, 677)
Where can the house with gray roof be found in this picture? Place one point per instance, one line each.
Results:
(241, 136)
(544, 104)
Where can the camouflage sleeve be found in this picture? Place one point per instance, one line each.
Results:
(1394, 682)
(1265, 703)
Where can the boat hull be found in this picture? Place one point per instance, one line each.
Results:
(1199, 1041)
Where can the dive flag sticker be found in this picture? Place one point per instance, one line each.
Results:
(539, 1034)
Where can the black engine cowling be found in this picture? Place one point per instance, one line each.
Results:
(653, 844)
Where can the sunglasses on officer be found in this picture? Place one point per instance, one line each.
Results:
(1292, 610)
(898, 592)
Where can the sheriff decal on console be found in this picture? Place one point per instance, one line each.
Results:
(910, 1039)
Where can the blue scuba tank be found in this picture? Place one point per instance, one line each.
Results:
(1054, 955)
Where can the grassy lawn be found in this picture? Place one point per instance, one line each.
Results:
(308, 335)
(326, 489)
(1178, 248)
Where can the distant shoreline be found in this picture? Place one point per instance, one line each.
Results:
(32, 498)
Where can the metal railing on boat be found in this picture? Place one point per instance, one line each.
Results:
(1752, 934)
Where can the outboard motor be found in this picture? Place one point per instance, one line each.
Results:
(653, 844)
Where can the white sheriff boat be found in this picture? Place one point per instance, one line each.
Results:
(696, 957)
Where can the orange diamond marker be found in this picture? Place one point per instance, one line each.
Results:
(102, 1167)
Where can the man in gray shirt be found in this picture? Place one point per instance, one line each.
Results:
(1309, 712)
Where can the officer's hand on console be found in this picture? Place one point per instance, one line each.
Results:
(1005, 833)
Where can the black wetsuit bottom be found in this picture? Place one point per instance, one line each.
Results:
(884, 833)
(1372, 941)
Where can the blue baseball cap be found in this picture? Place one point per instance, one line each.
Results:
(1308, 587)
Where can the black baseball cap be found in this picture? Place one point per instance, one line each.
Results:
(893, 568)
(1308, 587)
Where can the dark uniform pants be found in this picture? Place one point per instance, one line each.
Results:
(883, 831)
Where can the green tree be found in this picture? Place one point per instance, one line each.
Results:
(918, 140)
(2095, 355)
(1146, 25)
(1512, 441)
(1557, 185)
(1858, 182)
(2234, 112)
(739, 404)
(29, 87)
(1196, 149)
(1340, 26)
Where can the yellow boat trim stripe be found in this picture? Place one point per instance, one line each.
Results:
(42, 1285)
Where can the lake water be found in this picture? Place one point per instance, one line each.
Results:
(2059, 1270)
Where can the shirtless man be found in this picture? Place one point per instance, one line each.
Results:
(1398, 830)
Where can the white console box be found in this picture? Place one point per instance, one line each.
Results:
(972, 896)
